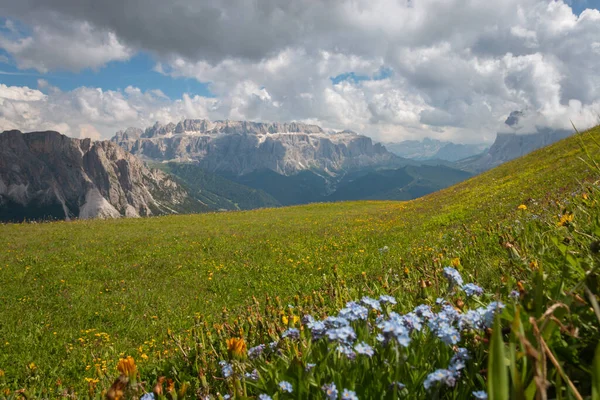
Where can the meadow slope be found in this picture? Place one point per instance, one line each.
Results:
(75, 296)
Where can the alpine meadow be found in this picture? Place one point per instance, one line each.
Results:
(490, 285)
(299, 199)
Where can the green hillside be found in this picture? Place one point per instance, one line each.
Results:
(77, 296)
(216, 191)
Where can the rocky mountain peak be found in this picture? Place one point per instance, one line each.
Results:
(240, 147)
(49, 175)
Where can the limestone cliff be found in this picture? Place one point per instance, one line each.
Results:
(49, 175)
(241, 147)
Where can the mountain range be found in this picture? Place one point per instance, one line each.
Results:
(241, 147)
(200, 166)
(433, 149)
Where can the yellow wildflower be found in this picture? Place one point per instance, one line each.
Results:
(522, 207)
(144, 356)
(127, 367)
(565, 219)
(455, 262)
(236, 347)
(32, 366)
(284, 319)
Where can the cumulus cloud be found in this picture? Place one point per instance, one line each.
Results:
(453, 70)
(72, 46)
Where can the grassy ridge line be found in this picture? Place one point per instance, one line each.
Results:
(133, 279)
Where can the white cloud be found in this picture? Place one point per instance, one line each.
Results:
(457, 68)
(72, 46)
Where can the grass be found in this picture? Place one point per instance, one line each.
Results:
(77, 296)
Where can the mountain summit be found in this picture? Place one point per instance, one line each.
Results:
(49, 175)
(241, 147)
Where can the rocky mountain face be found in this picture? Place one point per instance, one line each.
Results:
(432, 149)
(509, 146)
(49, 175)
(241, 147)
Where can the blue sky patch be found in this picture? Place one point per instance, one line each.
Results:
(383, 73)
(116, 75)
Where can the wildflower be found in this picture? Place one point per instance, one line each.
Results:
(317, 328)
(449, 314)
(285, 387)
(394, 327)
(336, 322)
(489, 312)
(236, 347)
(226, 369)
(565, 219)
(349, 395)
(387, 299)
(380, 338)
(256, 352)
(424, 311)
(365, 349)
(448, 334)
(453, 276)
(126, 367)
(330, 391)
(292, 333)
(472, 289)
(264, 397)
(227, 397)
(309, 367)
(480, 395)
(384, 250)
(354, 311)
(522, 207)
(442, 376)
(253, 376)
(147, 396)
(347, 351)
(515, 295)
(461, 354)
(397, 385)
(344, 334)
(412, 322)
(470, 320)
(374, 304)
(273, 346)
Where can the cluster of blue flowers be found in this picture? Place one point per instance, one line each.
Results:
(446, 324)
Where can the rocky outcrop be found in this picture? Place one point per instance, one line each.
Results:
(509, 146)
(49, 175)
(240, 147)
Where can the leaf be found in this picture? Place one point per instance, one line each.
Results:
(596, 375)
(497, 373)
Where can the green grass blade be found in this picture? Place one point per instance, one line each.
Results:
(497, 374)
(596, 375)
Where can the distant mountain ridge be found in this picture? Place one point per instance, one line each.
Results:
(241, 147)
(46, 175)
(509, 146)
(432, 149)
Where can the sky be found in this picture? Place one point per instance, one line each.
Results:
(390, 69)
